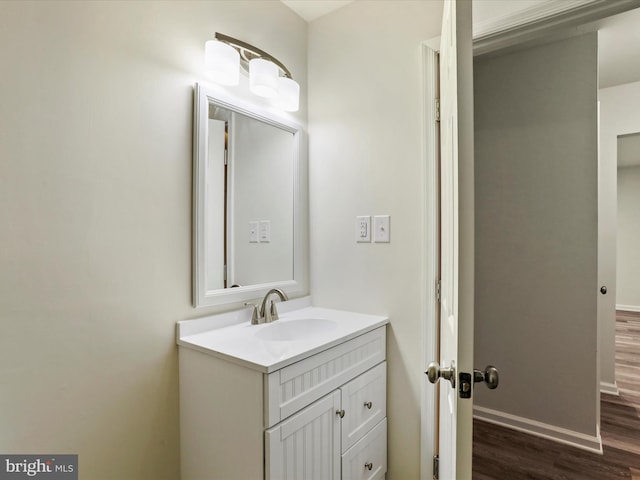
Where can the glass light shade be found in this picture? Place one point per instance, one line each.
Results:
(263, 77)
(222, 63)
(288, 94)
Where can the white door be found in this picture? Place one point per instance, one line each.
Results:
(457, 243)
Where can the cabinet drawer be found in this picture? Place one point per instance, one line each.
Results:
(296, 386)
(367, 459)
(364, 401)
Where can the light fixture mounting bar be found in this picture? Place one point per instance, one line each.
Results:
(245, 48)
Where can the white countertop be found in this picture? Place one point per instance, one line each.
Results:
(224, 336)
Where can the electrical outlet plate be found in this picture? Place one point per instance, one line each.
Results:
(265, 231)
(363, 229)
(382, 229)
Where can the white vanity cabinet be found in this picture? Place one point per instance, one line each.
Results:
(333, 434)
(320, 418)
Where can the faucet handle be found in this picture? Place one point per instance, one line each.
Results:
(255, 316)
(274, 311)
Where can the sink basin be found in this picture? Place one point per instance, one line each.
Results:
(290, 330)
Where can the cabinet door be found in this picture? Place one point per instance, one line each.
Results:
(306, 446)
(364, 400)
(367, 459)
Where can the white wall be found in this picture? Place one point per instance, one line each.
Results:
(619, 115)
(95, 206)
(536, 232)
(261, 182)
(366, 158)
(628, 274)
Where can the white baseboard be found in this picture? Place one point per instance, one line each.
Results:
(610, 388)
(628, 308)
(539, 429)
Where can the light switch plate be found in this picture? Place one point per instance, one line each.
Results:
(363, 229)
(382, 229)
(253, 232)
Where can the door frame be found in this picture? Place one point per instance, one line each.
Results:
(537, 24)
(431, 206)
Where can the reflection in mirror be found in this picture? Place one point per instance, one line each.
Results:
(250, 200)
(247, 208)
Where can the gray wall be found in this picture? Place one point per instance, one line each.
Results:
(96, 106)
(536, 232)
(628, 295)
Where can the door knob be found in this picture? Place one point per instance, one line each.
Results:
(603, 289)
(490, 377)
(434, 373)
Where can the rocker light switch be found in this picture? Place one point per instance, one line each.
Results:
(253, 232)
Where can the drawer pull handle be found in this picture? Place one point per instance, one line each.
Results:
(340, 412)
(368, 405)
(368, 466)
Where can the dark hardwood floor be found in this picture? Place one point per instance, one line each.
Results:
(504, 454)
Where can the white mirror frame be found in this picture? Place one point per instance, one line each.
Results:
(203, 96)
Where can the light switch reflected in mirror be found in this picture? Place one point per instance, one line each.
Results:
(250, 199)
(247, 202)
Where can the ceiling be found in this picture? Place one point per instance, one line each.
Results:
(619, 49)
(312, 9)
(619, 38)
(629, 150)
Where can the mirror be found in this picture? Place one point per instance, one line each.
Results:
(247, 201)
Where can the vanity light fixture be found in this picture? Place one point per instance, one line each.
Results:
(268, 77)
(263, 77)
(288, 98)
(222, 63)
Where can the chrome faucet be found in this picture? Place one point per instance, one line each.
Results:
(271, 314)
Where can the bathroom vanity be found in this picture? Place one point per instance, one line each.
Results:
(303, 397)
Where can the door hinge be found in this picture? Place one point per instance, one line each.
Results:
(226, 143)
(436, 467)
(438, 286)
(437, 109)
